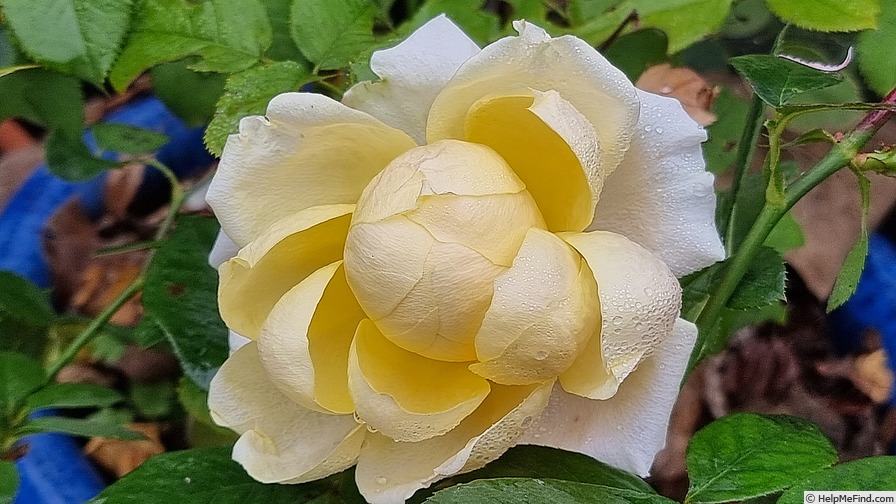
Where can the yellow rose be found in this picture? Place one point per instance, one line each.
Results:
(480, 250)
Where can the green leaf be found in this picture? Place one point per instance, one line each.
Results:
(332, 34)
(848, 279)
(875, 52)
(724, 134)
(762, 284)
(22, 300)
(203, 431)
(530, 10)
(45, 97)
(546, 491)
(78, 37)
(777, 80)
(537, 461)
(597, 29)
(745, 455)
(9, 481)
(204, 475)
(580, 11)
(148, 333)
(696, 288)
(835, 118)
(482, 26)
(283, 48)
(747, 18)
(125, 139)
(867, 474)
(786, 235)
(828, 15)
(248, 93)
(191, 95)
(13, 69)
(181, 297)
(79, 427)
(228, 36)
(73, 395)
(19, 376)
(153, 400)
(69, 158)
(9, 55)
(634, 52)
(684, 21)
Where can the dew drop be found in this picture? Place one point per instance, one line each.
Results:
(188, 480)
(617, 320)
(541, 355)
(380, 480)
(659, 130)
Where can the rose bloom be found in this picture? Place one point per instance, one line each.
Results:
(477, 251)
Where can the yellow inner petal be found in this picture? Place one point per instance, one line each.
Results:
(418, 384)
(539, 156)
(329, 340)
(544, 310)
(252, 282)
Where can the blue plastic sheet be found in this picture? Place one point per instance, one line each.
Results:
(54, 471)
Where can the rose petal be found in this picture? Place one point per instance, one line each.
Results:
(305, 341)
(474, 221)
(280, 441)
(309, 150)
(441, 314)
(567, 65)
(532, 130)
(661, 196)
(639, 302)
(544, 309)
(405, 396)
(223, 249)
(627, 430)
(443, 168)
(390, 471)
(379, 267)
(412, 74)
(252, 282)
(432, 208)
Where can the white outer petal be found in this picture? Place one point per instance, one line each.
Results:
(567, 65)
(222, 251)
(390, 471)
(627, 430)
(412, 73)
(308, 150)
(661, 196)
(280, 441)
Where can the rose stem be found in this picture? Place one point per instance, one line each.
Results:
(840, 155)
(93, 328)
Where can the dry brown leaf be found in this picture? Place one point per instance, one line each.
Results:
(85, 373)
(119, 456)
(121, 187)
(873, 376)
(686, 86)
(13, 136)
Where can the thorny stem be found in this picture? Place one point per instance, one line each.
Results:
(93, 328)
(744, 158)
(840, 155)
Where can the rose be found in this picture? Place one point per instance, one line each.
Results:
(481, 252)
